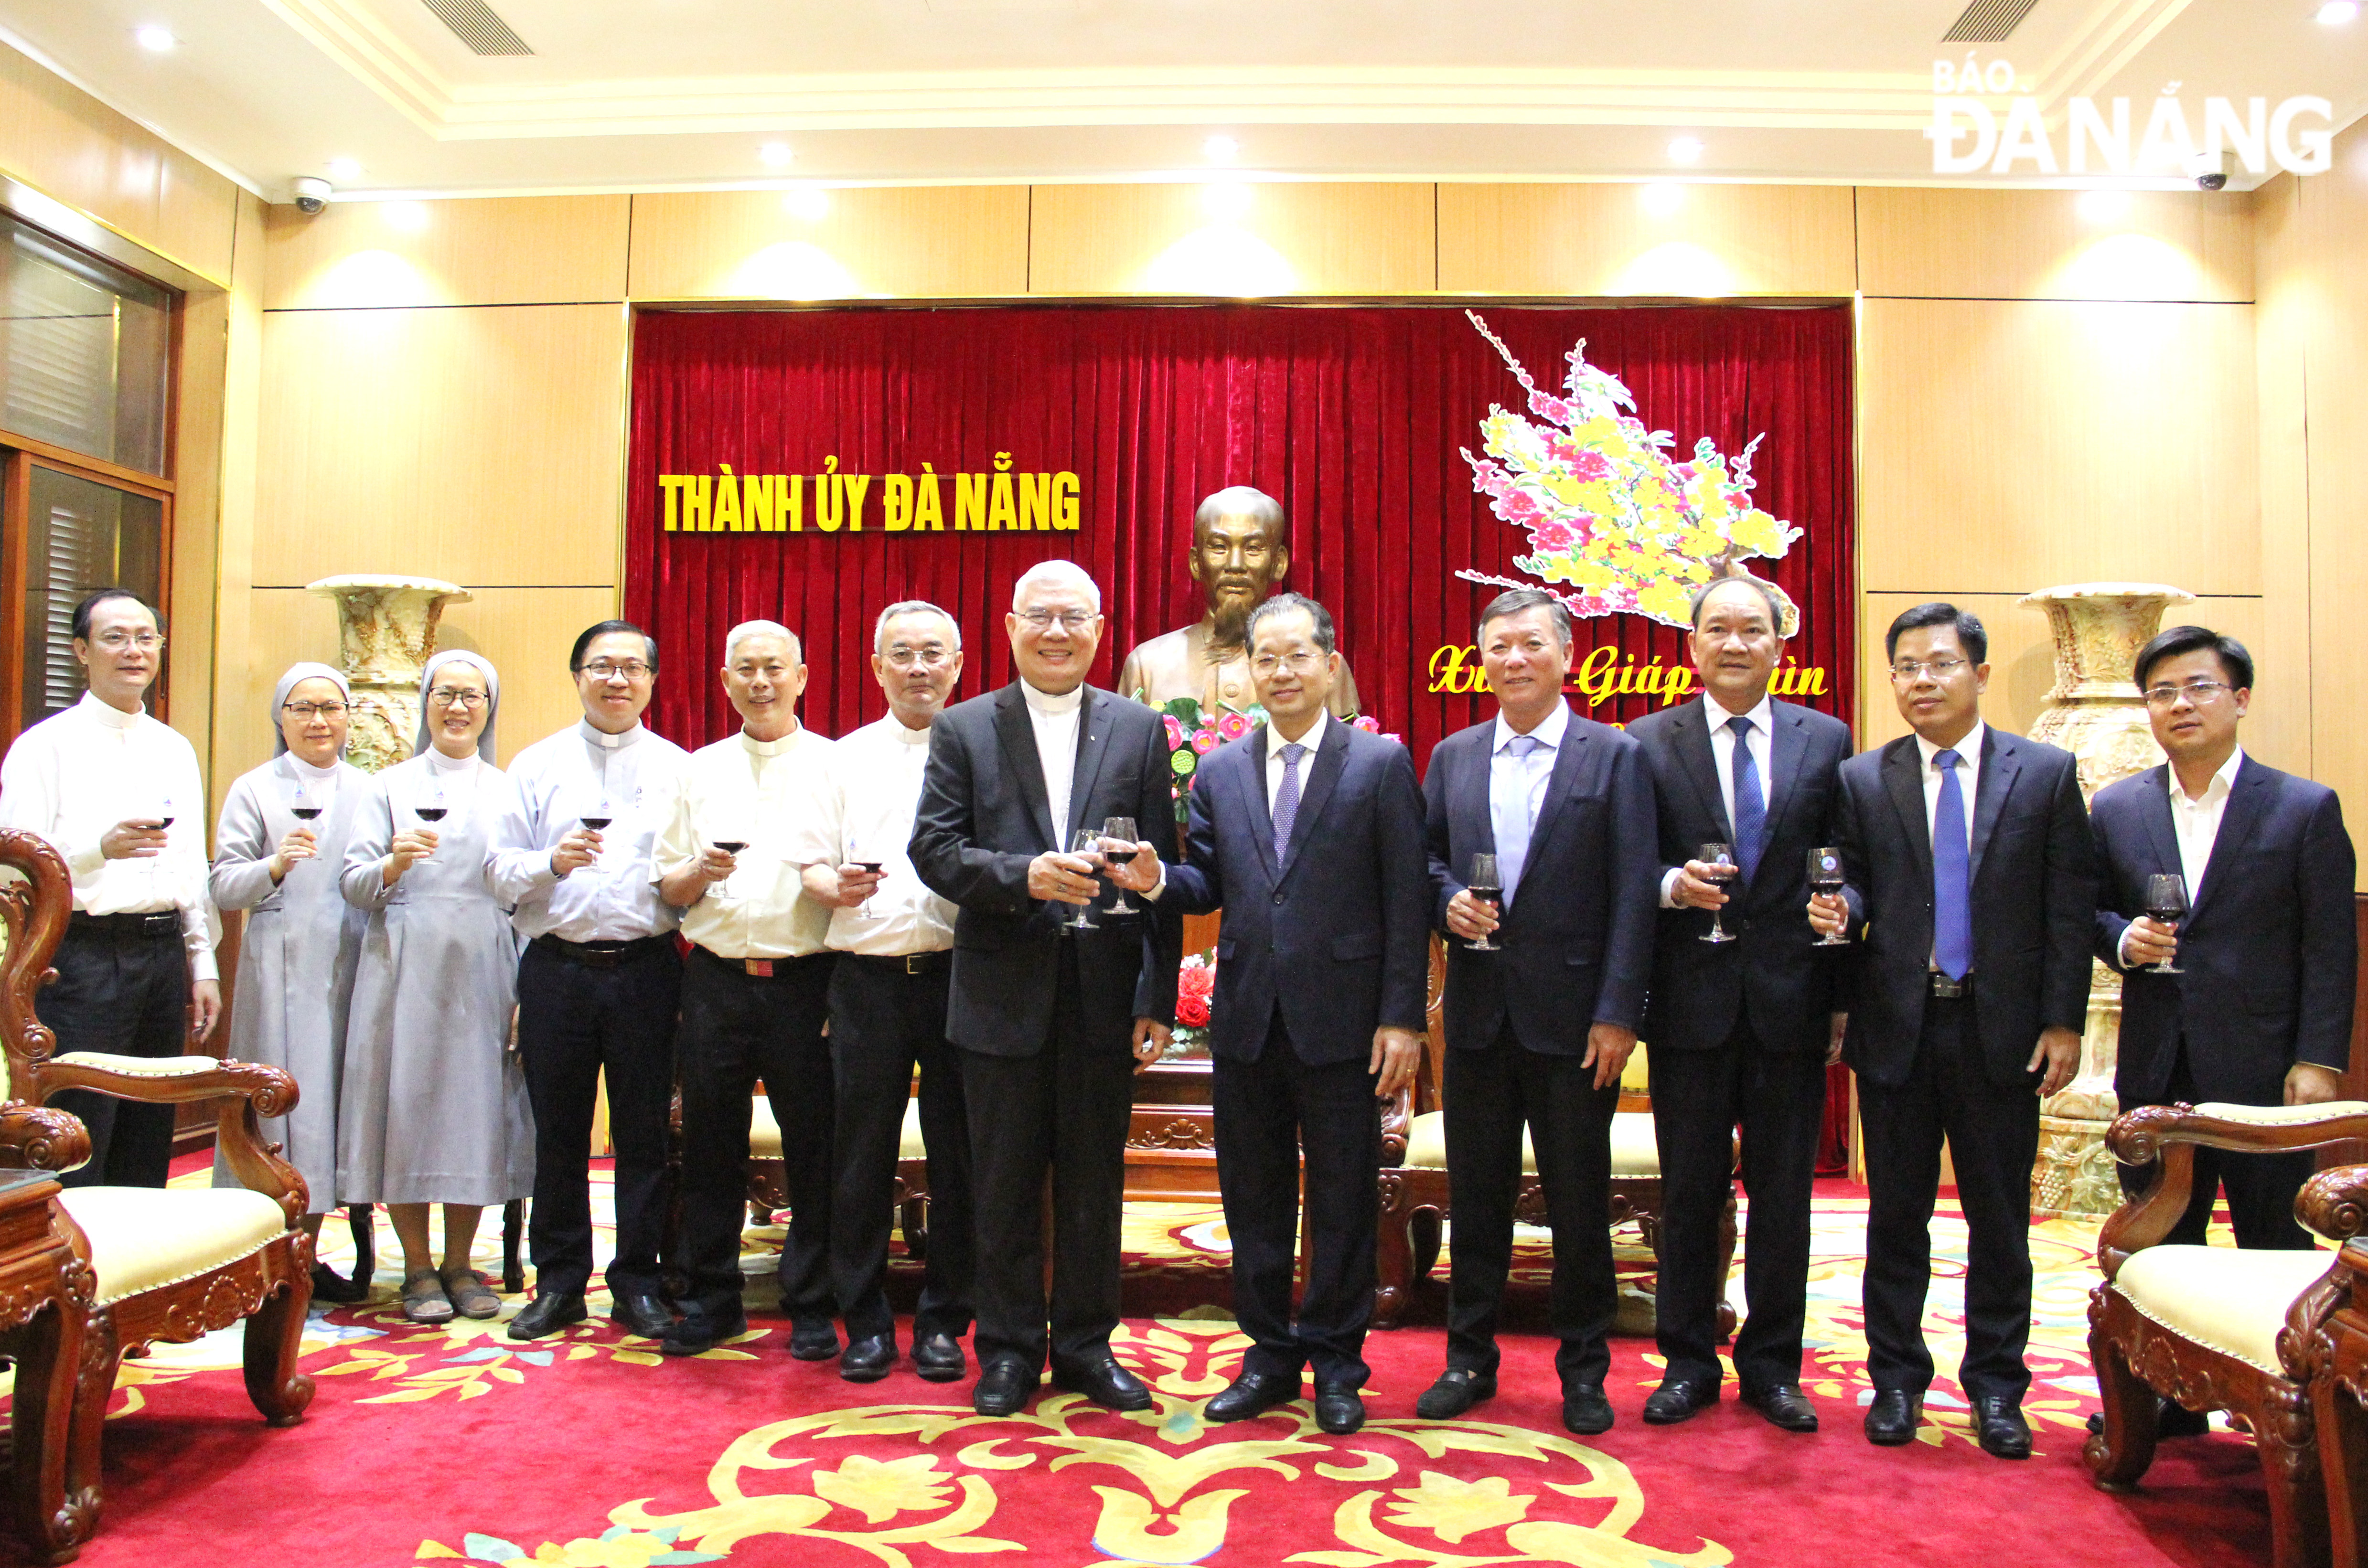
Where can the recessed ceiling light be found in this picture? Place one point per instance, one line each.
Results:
(345, 168)
(1661, 198)
(1686, 150)
(775, 155)
(1221, 149)
(2103, 206)
(807, 203)
(157, 38)
(2335, 13)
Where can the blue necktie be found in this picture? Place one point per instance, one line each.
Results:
(1750, 810)
(1286, 801)
(1952, 898)
(1510, 819)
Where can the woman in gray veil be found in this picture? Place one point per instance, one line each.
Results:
(433, 1108)
(279, 852)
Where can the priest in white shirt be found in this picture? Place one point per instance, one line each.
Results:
(120, 797)
(599, 980)
(894, 940)
(754, 994)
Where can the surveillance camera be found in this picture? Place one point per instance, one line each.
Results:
(311, 194)
(2212, 171)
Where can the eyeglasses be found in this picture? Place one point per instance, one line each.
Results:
(1070, 619)
(2199, 692)
(452, 696)
(1299, 663)
(116, 642)
(632, 669)
(308, 710)
(1906, 671)
(903, 658)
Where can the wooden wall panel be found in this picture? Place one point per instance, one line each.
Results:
(2334, 264)
(2009, 445)
(527, 250)
(1919, 243)
(1233, 240)
(927, 241)
(480, 446)
(1607, 240)
(242, 411)
(2288, 305)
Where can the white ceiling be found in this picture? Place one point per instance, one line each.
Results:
(672, 94)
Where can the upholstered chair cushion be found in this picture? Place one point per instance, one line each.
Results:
(2281, 1115)
(765, 1133)
(1634, 1151)
(141, 1237)
(2224, 1299)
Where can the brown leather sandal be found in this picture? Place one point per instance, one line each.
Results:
(471, 1297)
(422, 1297)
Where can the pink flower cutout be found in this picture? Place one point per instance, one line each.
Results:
(1553, 536)
(1174, 732)
(1204, 741)
(1232, 726)
(1590, 465)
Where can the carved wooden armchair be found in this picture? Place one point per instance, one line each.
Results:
(1415, 1196)
(2215, 1328)
(769, 1189)
(169, 1265)
(2334, 1200)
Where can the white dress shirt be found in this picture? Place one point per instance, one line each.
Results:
(1055, 720)
(554, 785)
(1969, 778)
(1520, 780)
(2196, 825)
(1721, 754)
(1312, 739)
(76, 774)
(758, 792)
(871, 787)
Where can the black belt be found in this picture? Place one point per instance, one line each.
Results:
(761, 968)
(903, 963)
(1947, 990)
(603, 955)
(154, 926)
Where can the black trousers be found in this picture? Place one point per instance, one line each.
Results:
(738, 1027)
(1491, 1092)
(2261, 1188)
(1063, 1110)
(884, 1023)
(1699, 1098)
(1993, 1136)
(129, 995)
(1268, 1112)
(576, 1023)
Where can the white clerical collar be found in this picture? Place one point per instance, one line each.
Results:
(1548, 734)
(1968, 749)
(1719, 715)
(2222, 781)
(1051, 706)
(442, 763)
(322, 775)
(106, 713)
(905, 736)
(595, 736)
(771, 748)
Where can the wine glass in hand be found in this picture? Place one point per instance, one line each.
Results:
(300, 803)
(597, 820)
(1825, 879)
(1086, 844)
(2166, 902)
(1489, 889)
(732, 840)
(863, 856)
(1718, 866)
(1121, 831)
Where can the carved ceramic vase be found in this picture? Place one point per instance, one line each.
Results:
(2095, 713)
(386, 630)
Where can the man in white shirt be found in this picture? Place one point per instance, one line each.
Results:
(755, 993)
(894, 940)
(120, 797)
(600, 980)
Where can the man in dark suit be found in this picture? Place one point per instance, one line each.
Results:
(2261, 1014)
(1741, 1031)
(1040, 1009)
(1540, 1024)
(1975, 898)
(1308, 833)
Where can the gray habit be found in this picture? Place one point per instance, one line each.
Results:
(296, 961)
(433, 1107)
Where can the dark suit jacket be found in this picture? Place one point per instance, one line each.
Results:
(1577, 937)
(2269, 949)
(2034, 889)
(1338, 935)
(984, 814)
(1773, 973)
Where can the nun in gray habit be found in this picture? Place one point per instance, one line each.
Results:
(278, 851)
(433, 1108)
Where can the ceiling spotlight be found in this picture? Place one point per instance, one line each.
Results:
(408, 217)
(1661, 199)
(156, 38)
(807, 204)
(1686, 150)
(2335, 13)
(1227, 201)
(1221, 149)
(775, 155)
(345, 170)
(2103, 206)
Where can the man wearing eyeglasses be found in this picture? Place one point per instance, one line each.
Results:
(1971, 885)
(2258, 1009)
(119, 796)
(599, 980)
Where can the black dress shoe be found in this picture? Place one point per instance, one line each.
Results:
(1585, 1410)
(813, 1339)
(1999, 1427)
(939, 1358)
(1678, 1399)
(1457, 1391)
(641, 1312)
(1003, 1386)
(1891, 1420)
(702, 1330)
(547, 1313)
(1252, 1394)
(1104, 1381)
(869, 1359)
(1339, 1409)
(1784, 1406)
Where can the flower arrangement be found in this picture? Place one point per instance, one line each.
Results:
(1196, 987)
(1607, 512)
(1192, 737)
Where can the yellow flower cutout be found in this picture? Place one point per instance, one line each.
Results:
(880, 1492)
(1452, 1509)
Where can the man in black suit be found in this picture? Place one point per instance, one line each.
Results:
(1039, 1007)
(1740, 1030)
(2261, 1014)
(1309, 833)
(1539, 1023)
(1975, 898)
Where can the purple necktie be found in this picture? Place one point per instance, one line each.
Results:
(1286, 801)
